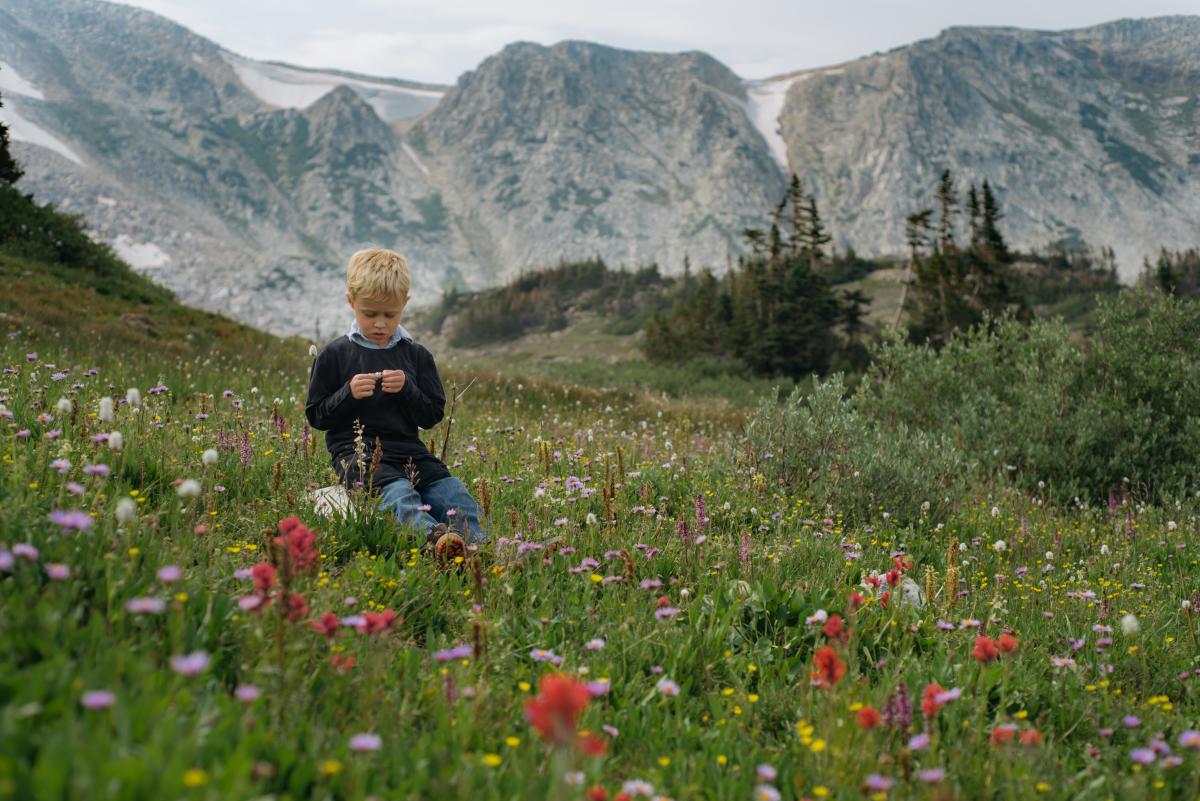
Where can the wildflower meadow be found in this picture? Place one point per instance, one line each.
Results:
(655, 614)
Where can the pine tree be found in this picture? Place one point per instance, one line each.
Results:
(816, 237)
(975, 219)
(796, 199)
(948, 205)
(10, 171)
(993, 245)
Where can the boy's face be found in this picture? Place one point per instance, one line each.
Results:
(377, 317)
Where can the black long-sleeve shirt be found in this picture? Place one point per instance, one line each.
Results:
(393, 417)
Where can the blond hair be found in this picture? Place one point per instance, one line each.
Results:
(378, 273)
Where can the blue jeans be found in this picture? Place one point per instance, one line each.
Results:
(444, 501)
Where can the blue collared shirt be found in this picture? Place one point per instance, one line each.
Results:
(356, 336)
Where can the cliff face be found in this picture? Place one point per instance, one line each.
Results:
(1088, 134)
(244, 186)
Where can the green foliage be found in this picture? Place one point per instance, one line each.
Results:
(823, 446)
(1028, 404)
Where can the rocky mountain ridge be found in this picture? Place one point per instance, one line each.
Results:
(244, 185)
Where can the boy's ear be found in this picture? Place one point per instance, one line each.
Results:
(349, 300)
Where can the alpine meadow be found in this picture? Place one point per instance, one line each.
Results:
(787, 521)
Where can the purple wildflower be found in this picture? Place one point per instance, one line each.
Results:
(365, 743)
(71, 520)
(98, 699)
(450, 654)
(190, 664)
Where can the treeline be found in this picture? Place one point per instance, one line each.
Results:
(1174, 273)
(777, 312)
(543, 301)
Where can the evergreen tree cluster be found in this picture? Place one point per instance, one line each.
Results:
(1174, 273)
(543, 301)
(954, 284)
(777, 313)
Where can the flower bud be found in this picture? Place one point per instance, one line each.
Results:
(115, 440)
(106, 410)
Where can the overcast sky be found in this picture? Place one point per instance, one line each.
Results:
(437, 40)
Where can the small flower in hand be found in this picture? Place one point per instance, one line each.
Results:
(393, 380)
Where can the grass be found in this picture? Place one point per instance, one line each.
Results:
(738, 638)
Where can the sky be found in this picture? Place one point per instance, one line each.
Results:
(437, 40)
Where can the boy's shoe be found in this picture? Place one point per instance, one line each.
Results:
(446, 546)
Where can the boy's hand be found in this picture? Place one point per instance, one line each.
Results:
(363, 385)
(393, 380)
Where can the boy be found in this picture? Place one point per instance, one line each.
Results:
(378, 376)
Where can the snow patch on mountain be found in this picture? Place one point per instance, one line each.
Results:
(140, 255)
(764, 102)
(287, 87)
(21, 129)
(11, 83)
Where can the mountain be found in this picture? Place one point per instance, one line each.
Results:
(1089, 134)
(244, 186)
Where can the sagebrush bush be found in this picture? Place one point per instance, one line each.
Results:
(823, 446)
(1015, 403)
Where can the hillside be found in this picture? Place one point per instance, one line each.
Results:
(80, 298)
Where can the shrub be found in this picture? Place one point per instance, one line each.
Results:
(825, 447)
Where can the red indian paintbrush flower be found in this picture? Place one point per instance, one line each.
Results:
(555, 711)
(264, 577)
(833, 627)
(830, 669)
(929, 703)
(301, 544)
(379, 622)
(1006, 643)
(326, 625)
(868, 717)
(985, 649)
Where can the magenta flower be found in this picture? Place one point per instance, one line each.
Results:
(666, 613)
(1143, 756)
(98, 699)
(544, 655)
(71, 520)
(169, 574)
(598, 687)
(1131, 722)
(146, 606)
(918, 742)
(594, 645)
(6, 560)
(190, 664)
(25, 551)
(878, 784)
(611, 731)
(1190, 738)
(668, 688)
(931, 775)
(450, 654)
(765, 773)
(58, 572)
(246, 693)
(96, 469)
(364, 743)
